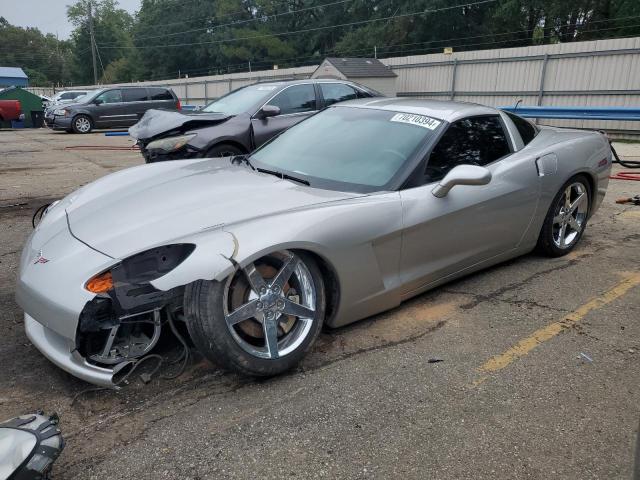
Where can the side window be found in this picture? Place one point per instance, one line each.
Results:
(67, 96)
(526, 129)
(156, 93)
(295, 99)
(471, 141)
(110, 96)
(134, 94)
(337, 92)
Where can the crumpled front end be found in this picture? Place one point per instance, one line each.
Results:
(93, 314)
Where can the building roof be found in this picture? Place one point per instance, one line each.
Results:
(360, 67)
(12, 72)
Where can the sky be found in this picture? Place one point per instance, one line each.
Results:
(50, 16)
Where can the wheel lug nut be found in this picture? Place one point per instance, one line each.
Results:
(263, 290)
(259, 305)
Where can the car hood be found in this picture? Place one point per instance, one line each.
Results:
(141, 207)
(157, 122)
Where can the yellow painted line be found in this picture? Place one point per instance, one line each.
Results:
(523, 347)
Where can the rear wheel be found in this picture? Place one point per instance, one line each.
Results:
(567, 218)
(261, 320)
(223, 150)
(81, 124)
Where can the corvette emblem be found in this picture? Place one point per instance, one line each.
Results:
(40, 258)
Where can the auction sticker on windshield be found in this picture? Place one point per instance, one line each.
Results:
(418, 120)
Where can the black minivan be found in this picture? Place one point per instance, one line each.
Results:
(113, 107)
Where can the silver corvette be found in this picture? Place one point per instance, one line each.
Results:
(344, 215)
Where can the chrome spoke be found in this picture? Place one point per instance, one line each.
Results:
(242, 313)
(567, 198)
(577, 202)
(255, 279)
(284, 274)
(270, 328)
(561, 234)
(293, 308)
(573, 223)
(558, 219)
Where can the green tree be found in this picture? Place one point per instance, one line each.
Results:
(112, 27)
(44, 58)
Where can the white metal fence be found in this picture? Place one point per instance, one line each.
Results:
(594, 73)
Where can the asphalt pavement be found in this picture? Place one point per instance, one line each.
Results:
(529, 369)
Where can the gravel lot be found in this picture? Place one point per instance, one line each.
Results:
(515, 396)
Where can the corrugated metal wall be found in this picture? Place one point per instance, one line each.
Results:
(595, 73)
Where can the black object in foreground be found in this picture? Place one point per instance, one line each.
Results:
(30, 445)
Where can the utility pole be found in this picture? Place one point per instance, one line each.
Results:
(93, 44)
(375, 51)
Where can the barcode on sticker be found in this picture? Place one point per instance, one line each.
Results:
(418, 120)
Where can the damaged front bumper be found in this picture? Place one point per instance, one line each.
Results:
(62, 352)
(153, 156)
(50, 289)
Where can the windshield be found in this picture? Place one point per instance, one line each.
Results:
(241, 100)
(347, 148)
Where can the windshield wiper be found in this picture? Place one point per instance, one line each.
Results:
(284, 176)
(242, 159)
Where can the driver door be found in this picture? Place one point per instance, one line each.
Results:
(110, 111)
(471, 224)
(295, 102)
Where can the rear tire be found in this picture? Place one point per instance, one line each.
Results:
(223, 150)
(258, 327)
(82, 124)
(566, 219)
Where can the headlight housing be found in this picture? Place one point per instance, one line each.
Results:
(141, 268)
(62, 112)
(171, 144)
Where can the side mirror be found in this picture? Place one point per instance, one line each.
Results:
(462, 175)
(97, 101)
(268, 111)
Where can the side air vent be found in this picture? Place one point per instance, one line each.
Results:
(547, 164)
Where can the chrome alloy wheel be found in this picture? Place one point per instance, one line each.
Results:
(269, 305)
(82, 124)
(570, 215)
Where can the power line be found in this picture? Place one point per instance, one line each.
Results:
(200, 19)
(315, 29)
(242, 22)
(319, 58)
(444, 41)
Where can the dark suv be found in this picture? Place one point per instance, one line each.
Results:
(110, 107)
(240, 121)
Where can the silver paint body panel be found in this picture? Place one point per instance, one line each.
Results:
(383, 247)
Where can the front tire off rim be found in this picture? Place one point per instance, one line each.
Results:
(269, 307)
(570, 215)
(82, 124)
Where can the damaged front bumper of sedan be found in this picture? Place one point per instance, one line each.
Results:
(169, 148)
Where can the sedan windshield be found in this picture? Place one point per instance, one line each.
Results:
(347, 148)
(241, 100)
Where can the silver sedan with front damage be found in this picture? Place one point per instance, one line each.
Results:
(344, 215)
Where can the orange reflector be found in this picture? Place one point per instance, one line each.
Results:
(100, 283)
